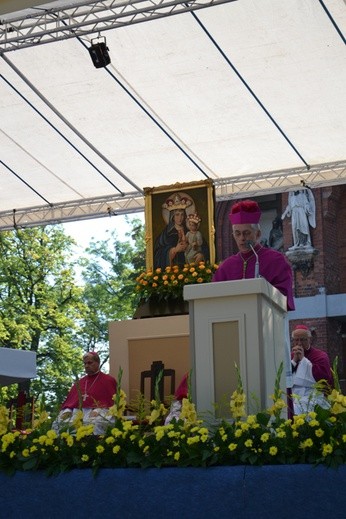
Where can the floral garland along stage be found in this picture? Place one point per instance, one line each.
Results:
(169, 282)
(317, 437)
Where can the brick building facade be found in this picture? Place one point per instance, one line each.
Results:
(319, 278)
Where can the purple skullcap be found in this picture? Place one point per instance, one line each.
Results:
(301, 327)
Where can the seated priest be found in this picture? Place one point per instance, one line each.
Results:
(252, 256)
(312, 374)
(93, 394)
(181, 392)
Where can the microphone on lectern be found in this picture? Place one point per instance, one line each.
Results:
(251, 244)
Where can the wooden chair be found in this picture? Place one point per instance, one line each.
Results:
(156, 368)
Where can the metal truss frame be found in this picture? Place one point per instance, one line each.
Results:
(37, 26)
(279, 181)
(225, 189)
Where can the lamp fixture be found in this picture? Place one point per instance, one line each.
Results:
(99, 52)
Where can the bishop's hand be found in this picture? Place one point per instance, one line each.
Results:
(298, 353)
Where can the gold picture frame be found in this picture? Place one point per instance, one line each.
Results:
(169, 243)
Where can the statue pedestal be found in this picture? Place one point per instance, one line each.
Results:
(302, 259)
(235, 322)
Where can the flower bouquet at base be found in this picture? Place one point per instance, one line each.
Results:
(168, 283)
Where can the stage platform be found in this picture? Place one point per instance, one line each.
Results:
(241, 492)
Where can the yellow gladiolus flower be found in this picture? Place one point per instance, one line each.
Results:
(273, 450)
(307, 443)
(326, 449)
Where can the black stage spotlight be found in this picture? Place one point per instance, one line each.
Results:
(99, 53)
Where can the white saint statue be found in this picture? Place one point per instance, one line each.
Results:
(302, 210)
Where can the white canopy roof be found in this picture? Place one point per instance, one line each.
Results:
(248, 93)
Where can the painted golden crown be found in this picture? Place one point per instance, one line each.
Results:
(194, 218)
(176, 201)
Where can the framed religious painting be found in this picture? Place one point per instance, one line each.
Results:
(179, 224)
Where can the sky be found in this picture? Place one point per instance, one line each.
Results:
(83, 231)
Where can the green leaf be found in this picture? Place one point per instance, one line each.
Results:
(30, 464)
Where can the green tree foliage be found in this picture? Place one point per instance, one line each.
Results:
(109, 273)
(41, 307)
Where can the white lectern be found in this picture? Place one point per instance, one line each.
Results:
(235, 322)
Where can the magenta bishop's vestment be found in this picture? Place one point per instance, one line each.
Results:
(273, 266)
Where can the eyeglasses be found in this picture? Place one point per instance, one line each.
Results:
(300, 339)
(246, 234)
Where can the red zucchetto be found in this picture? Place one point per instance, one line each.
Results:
(246, 211)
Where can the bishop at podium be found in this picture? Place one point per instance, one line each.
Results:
(253, 260)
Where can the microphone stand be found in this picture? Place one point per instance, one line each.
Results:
(257, 275)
